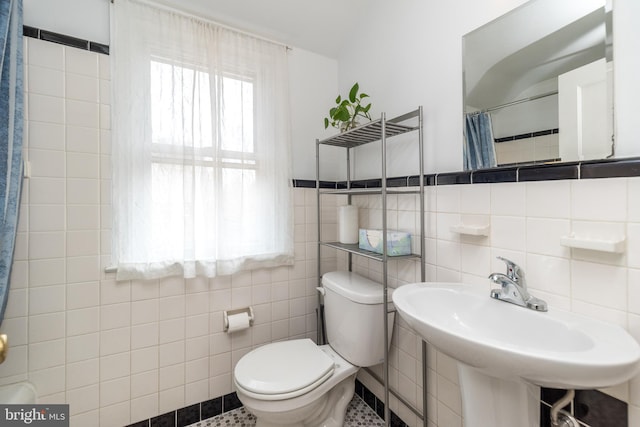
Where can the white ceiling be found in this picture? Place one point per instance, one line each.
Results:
(317, 26)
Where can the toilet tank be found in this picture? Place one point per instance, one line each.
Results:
(354, 317)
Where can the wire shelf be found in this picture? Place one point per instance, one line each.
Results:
(372, 131)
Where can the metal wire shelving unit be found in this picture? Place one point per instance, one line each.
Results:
(380, 130)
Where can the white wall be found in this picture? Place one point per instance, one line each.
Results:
(84, 19)
(414, 58)
(313, 87)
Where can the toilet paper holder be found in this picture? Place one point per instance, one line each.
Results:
(227, 313)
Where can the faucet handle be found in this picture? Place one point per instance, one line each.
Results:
(514, 272)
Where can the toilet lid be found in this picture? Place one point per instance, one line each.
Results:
(283, 368)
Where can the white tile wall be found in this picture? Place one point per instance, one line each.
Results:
(527, 221)
(120, 352)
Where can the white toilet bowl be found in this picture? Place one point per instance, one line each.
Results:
(297, 383)
(313, 388)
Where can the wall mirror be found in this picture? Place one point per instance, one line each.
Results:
(538, 85)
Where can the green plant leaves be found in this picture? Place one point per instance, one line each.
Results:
(342, 114)
(353, 93)
(346, 110)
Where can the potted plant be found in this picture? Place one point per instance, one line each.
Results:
(346, 112)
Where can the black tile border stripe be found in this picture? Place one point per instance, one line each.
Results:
(193, 413)
(30, 32)
(487, 176)
(377, 405)
(611, 168)
(609, 408)
(548, 172)
(202, 411)
(450, 178)
(526, 135)
(99, 48)
(63, 39)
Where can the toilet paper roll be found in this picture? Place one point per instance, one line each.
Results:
(238, 322)
(348, 224)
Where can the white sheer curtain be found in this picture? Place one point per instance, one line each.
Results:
(201, 147)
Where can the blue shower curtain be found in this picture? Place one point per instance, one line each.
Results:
(479, 150)
(11, 123)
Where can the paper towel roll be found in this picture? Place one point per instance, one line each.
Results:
(348, 224)
(238, 322)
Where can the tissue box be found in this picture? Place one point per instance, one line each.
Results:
(398, 242)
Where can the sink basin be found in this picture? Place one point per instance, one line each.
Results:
(555, 349)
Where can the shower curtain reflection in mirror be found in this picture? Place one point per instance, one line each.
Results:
(479, 149)
(11, 122)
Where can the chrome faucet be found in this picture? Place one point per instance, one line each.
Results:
(513, 287)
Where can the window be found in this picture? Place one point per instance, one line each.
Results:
(201, 170)
(214, 153)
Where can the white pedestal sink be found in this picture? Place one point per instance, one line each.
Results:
(506, 352)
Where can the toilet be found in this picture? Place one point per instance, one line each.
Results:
(298, 383)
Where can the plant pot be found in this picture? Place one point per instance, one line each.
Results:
(345, 126)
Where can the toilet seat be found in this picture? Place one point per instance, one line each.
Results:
(283, 370)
